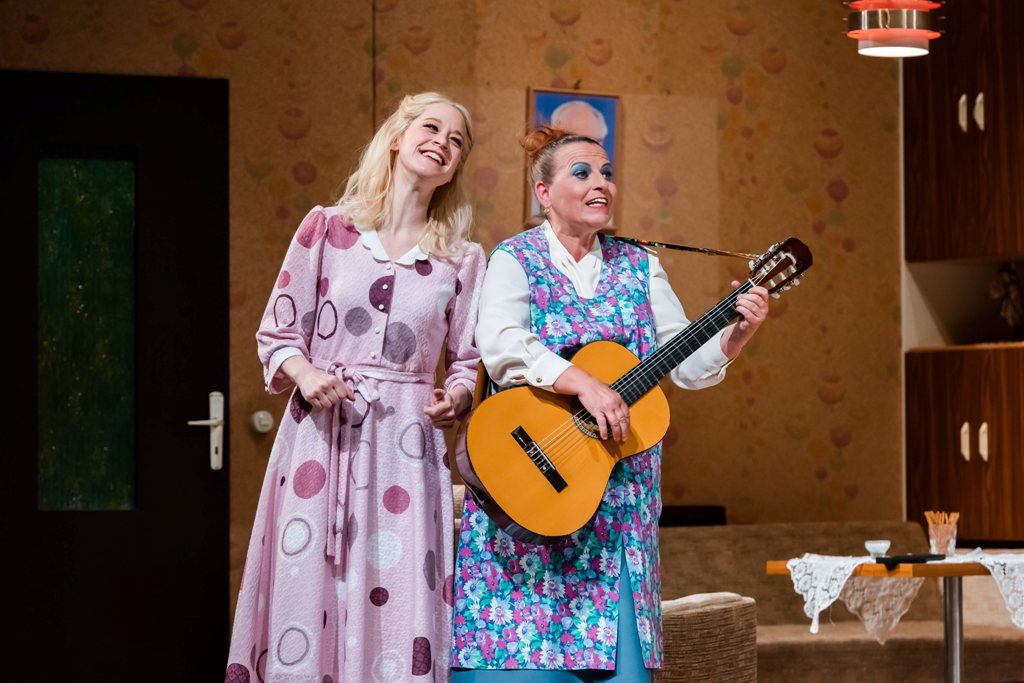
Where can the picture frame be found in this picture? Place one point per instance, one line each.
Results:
(594, 114)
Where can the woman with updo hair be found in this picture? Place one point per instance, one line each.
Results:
(349, 568)
(589, 606)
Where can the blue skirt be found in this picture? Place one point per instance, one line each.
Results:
(629, 658)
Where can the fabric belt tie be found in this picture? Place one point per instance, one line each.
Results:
(364, 381)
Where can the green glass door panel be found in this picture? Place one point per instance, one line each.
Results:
(86, 333)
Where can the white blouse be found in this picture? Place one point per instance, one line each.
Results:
(515, 355)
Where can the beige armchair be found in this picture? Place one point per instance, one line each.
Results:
(709, 637)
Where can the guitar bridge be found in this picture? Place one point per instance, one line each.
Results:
(539, 458)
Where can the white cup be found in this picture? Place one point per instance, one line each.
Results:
(877, 548)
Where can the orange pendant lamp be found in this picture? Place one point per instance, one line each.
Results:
(893, 28)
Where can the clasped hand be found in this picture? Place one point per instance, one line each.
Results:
(322, 390)
(448, 406)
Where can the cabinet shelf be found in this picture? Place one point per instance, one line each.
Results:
(948, 304)
(983, 346)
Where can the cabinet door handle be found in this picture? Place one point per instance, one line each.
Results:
(961, 112)
(983, 441)
(965, 441)
(979, 111)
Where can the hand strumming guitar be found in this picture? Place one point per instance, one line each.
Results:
(610, 412)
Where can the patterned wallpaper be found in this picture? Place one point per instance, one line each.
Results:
(743, 122)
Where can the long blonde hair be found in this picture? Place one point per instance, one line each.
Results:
(364, 201)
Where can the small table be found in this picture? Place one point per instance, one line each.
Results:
(952, 574)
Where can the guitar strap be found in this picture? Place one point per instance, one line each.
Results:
(702, 250)
(484, 386)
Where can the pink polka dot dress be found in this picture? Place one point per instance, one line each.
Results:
(348, 576)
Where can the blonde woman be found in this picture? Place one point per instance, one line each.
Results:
(349, 571)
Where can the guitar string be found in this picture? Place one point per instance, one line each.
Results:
(561, 437)
(702, 322)
(557, 443)
(554, 443)
(550, 442)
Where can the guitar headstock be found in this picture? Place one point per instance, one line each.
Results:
(781, 266)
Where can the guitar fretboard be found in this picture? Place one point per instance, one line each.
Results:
(644, 376)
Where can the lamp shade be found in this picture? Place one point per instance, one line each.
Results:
(892, 28)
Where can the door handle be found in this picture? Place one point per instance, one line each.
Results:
(983, 441)
(979, 111)
(216, 425)
(965, 441)
(961, 112)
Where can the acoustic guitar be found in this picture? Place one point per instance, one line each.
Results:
(534, 460)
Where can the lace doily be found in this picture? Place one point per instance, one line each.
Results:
(880, 603)
(820, 579)
(1008, 571)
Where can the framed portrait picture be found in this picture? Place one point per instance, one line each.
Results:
(596, 115)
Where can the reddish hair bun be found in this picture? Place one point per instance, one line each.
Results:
(538, 140)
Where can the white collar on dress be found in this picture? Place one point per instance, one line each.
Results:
(369, 238)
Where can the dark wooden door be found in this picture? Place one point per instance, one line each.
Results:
(115, 526)
(933, 446)
(969, 382)
(963, 121)
(995, 376)
(976, 393)
(998, 127)
(939, 154)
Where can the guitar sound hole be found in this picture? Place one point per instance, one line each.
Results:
(584, 421)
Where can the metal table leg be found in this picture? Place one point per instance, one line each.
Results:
(954, 622)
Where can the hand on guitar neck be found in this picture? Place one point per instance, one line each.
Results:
(752, 307)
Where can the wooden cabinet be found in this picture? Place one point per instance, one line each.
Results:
(963, 132)
(965, 438)
(963, 122)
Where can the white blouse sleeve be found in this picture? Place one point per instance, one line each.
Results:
(512, 353)
(706, 366)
